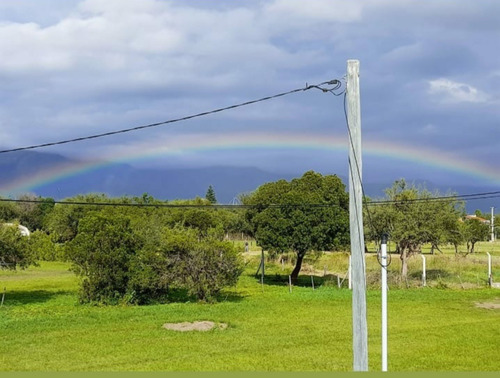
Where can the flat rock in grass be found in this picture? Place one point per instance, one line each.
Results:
(202, 326)
(489, 305)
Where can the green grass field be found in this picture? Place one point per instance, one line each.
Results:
(436, 328)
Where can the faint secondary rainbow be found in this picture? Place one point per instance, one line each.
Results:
(272, 141)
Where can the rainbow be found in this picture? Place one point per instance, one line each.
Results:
(204, 144)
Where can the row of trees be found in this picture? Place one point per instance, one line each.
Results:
(313, 215)
(120, 258)
(413, 217)
(152, 250)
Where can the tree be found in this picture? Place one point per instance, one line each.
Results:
(43, 248)
(8, 211)
(210, 196)
(306, 214)
(412, 218)
(63, 220)
(33, 211)
(475, 230)
(101, 253)
(14, 251)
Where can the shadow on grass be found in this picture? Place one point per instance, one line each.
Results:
(23, 297)
(303, 280)
(431, 274)
(178, 295)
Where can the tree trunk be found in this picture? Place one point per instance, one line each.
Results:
(435, 246)
(472, 247)
(298, 265)
(404, 263)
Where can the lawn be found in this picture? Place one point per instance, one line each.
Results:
(433, 328)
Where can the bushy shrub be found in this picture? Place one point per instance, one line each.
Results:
(182, 261)
(101, 253)
(118, 263)
(208, 267)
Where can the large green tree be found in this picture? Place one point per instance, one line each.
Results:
(306, 214)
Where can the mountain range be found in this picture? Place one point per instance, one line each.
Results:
(168, 184)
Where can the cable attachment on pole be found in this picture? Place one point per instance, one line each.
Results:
(334, 83)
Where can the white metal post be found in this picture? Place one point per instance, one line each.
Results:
(359, 325)
(384, 264)
(424, 276)
(490, 280)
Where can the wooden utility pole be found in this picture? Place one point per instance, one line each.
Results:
(359, 326)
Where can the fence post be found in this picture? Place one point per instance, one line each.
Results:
(424, 276)
(490, 279)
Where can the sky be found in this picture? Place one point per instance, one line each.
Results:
(429, 83)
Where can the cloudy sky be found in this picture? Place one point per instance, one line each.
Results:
(430, 82)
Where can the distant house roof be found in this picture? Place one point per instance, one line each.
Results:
(474, 216)
(22, 229)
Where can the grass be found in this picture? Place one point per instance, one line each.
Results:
(436, 328)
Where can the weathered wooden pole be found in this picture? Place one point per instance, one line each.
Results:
(359, 326)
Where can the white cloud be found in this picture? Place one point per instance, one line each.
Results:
(455, 92)
(317, 10)
(144, 38)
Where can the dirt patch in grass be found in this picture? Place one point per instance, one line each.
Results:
(495, 305)
(202, 326)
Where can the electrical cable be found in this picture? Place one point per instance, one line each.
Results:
(336, 84)
(358, 171)
(468, 197)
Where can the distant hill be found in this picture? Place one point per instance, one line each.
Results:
(228, 182)
(123, 179)
(119, 180)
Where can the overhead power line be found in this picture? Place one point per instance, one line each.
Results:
(333, 86)
(464, 197)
